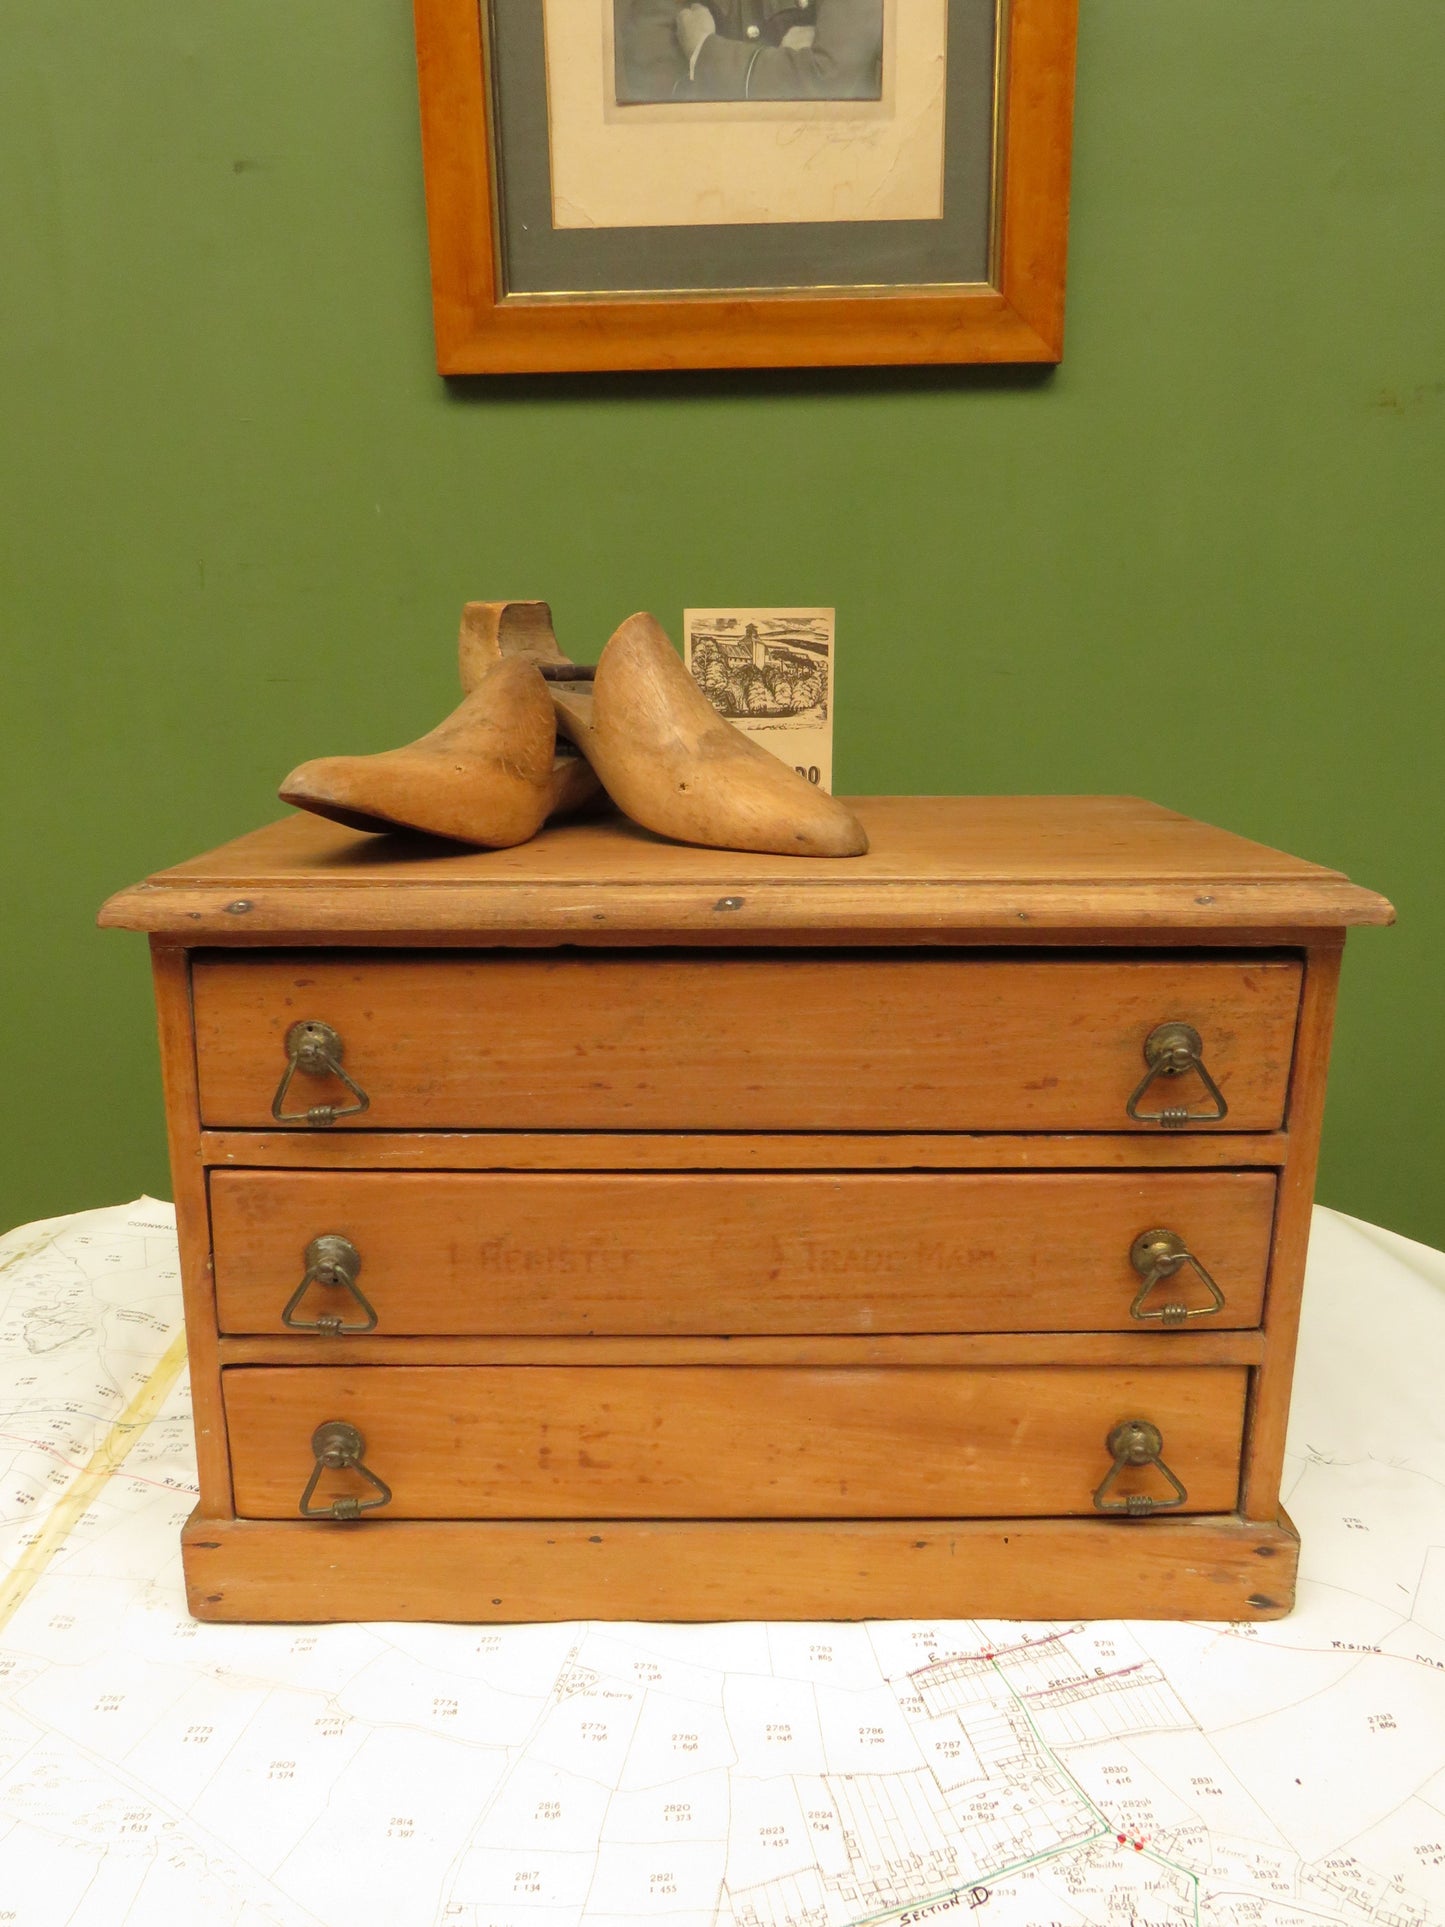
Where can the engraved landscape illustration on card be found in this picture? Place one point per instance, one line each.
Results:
(770, 671)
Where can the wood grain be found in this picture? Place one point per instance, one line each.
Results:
(1011, 869)
(736, 1150)
(171, 975)
(691, 1041)
(697, 1441)
(472, 1252)
(723, 1569)
(479, 330)
(1143, 1347)
(1270, 1389)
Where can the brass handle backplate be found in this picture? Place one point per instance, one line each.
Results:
(1157, 1255)
(1136, 1442)
(339, 1447)
(1169, 1051)
(314, 1049)
(332, 1263)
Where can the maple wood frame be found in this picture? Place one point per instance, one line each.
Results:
(482, 330)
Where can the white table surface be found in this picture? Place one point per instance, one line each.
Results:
(1131, 1775)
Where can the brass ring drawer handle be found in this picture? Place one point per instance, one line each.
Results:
(339, 1447)
(1157, 1255)
(1134, 1443)
(314, 1049)
(1170, 1050)
(332, 1262)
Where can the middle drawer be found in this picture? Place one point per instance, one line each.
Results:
(738, 1253)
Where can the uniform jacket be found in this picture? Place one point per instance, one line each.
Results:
(744, 59)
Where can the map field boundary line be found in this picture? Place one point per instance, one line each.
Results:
(32, 1250)
(103, 1463)
(952, 1896)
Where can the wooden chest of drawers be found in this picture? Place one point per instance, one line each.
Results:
(606, 1228)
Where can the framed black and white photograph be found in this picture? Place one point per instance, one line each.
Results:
(751, 50)
(820, 148)
(675, 183)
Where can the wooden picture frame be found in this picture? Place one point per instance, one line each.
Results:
(1014, 313)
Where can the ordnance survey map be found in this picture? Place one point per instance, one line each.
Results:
(1130, 1775)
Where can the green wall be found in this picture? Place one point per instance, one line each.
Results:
(239, 512)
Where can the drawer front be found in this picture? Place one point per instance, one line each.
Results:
(497, 1442)
(738, 1041)
(735, 1253)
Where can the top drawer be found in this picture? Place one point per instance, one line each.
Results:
(742, 1041)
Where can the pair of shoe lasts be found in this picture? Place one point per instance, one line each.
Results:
(494, 771)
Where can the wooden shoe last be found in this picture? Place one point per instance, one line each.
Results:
(665, 756)
(671, 763)
(488, 775)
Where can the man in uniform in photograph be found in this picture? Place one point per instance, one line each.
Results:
(749, 49)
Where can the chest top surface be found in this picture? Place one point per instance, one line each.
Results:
(994, 866)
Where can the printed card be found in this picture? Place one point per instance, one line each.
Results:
(770, 671)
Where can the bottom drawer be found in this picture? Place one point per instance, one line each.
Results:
(719, 1441)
